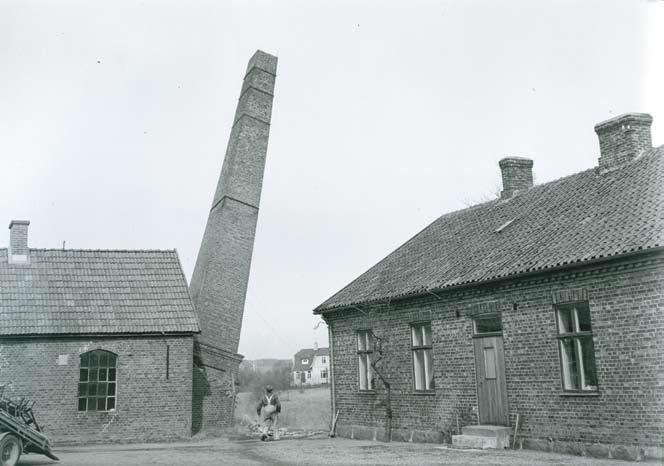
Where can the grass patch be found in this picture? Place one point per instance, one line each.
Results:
(309, 410)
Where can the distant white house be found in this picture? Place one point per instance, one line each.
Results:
(311, 366)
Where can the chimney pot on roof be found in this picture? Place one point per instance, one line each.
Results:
(18, 241)
(622, 139)
(517, 175)
(315, 346)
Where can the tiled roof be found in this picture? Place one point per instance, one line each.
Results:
(94, 292)
(571, 220)
(309, 354)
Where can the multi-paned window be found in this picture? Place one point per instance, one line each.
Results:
(364, 355)
(97, 381)
(323, 374)
(422, 356)
(577, 353)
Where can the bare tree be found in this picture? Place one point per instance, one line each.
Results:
(388, 400)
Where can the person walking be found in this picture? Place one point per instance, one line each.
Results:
(270, 405)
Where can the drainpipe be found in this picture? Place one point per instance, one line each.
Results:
(332, 390)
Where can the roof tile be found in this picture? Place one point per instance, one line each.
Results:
(573, 219)
(95, 291)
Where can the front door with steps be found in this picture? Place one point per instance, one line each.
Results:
(490, 371)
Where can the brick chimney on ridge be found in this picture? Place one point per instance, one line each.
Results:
(18, 241)
(622, 139)
(517, 175)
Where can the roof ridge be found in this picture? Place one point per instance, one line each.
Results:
(377, 284)
(447, 215)
(101, 250)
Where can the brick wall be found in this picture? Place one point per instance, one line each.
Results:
(213, 391)
(149, 406)
(627, 311)
(219, 283)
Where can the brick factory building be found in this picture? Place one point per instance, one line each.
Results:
(114, 345)
(546, 303)
(102, 340)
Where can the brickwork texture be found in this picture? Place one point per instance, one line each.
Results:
(154, 391)
(624, 419)
(623, 138)
(219, 282)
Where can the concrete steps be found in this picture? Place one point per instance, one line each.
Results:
(482, 437)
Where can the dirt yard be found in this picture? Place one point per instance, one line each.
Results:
(323, 451)
(306, 410)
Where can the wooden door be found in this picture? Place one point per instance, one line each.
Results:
(491, 387)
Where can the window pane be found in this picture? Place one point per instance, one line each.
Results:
(84, 360)
(428, 369)
(565, 323)
(589, 374)
(112, 359)
(418, 369)
(416, 335)
(103, 359)
(426, 334)
(111, 375)
(370, 385)
(101, 389)
(570, 371)
(583, 314)
(111, 389)
(369, 344)
(92, 374)
(92, 389)
(93, 360)
(488, 324)
(490, 362)
(363, 371)
(82, 405)
(101, 404)
(110, 403)
(92, 404)
(361, 341)
(102, 374)
(82, 389)
(84, 375)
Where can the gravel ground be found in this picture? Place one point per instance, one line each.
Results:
(321, 451)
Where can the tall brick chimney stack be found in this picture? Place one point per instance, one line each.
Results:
(18, 241)
(517, 173)
(219, 282)
(622, 139)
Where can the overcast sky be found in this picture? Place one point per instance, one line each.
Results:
(114, 120)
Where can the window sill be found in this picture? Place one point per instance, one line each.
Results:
(581, 394)
(423, 392)
(366, 392)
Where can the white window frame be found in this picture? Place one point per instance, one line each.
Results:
(574, 335)
(421, 340)
(364, 356)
